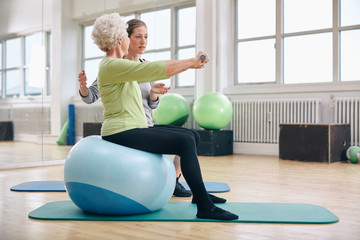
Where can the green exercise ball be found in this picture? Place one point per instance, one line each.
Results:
(212, 111)
(173, 109)
(353, 154)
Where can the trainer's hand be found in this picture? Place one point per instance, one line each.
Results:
(158, 88)
(82, 80)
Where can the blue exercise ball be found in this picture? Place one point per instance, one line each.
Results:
(106, 178)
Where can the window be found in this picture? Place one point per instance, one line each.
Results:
(349, 40)
(164, 42)
(256, 41)
(350, 55)
(158, 25)
(254, 21)
(12, 83)
(160, 46)
(298, 46)
(92, 56)
(349, 14)
(34, 69)
(185, 44)
(187, 78)
(26, 67)
(308, 58)
(305, 15)
(12, 67)
(159, 42)
(308, 55)
(255, 55)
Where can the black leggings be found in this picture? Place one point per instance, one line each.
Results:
(165, 139)
(195, 133)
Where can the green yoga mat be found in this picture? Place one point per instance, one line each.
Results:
(185, 211)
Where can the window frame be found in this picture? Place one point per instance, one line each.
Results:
(83, 58)
(173, 49)
(2, 56)
(177, 48)
(279, 85)
(46, 35)
(20, 68)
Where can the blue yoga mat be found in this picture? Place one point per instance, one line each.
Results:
(212, 187)
(58, 186)
(40, 186)
(185, 211)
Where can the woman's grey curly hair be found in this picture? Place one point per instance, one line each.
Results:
(107, 29)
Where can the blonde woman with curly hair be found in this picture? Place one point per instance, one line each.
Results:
(124, 118)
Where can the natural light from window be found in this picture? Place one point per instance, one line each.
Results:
(350, 12)
(158, 24)
(255, 55)
(308, 58)
(186, 39)
(91, 50)
(256, 18)
(305, 15)
(187, 26)
(350, 55)
(12, 52)
(12, 82)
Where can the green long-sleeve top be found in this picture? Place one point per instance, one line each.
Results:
(120, 93)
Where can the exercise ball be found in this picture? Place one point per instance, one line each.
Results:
(106, 178)
(173, 109)
(212, 111)
(353, 154)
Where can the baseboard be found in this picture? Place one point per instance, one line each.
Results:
(35, 138)
(5, 166)
(256, 148)
(47, 139)
(22, 137)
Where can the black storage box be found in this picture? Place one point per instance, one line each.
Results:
(6, 131)
(314, 142)
(91, 128)
(215, 142)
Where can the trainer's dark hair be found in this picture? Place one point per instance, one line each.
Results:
(134, 23)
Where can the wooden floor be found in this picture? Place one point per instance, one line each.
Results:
(251, 179)
(20, 154)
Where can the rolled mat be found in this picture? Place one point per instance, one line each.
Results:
(71, 125)
(63, 134)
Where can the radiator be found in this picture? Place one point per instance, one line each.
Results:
(257, 121)
(347, 110)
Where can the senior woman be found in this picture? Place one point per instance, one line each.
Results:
(150, 91)
(124, 118)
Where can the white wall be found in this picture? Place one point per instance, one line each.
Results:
(66, 62)
(22, 16)
(84, 10)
